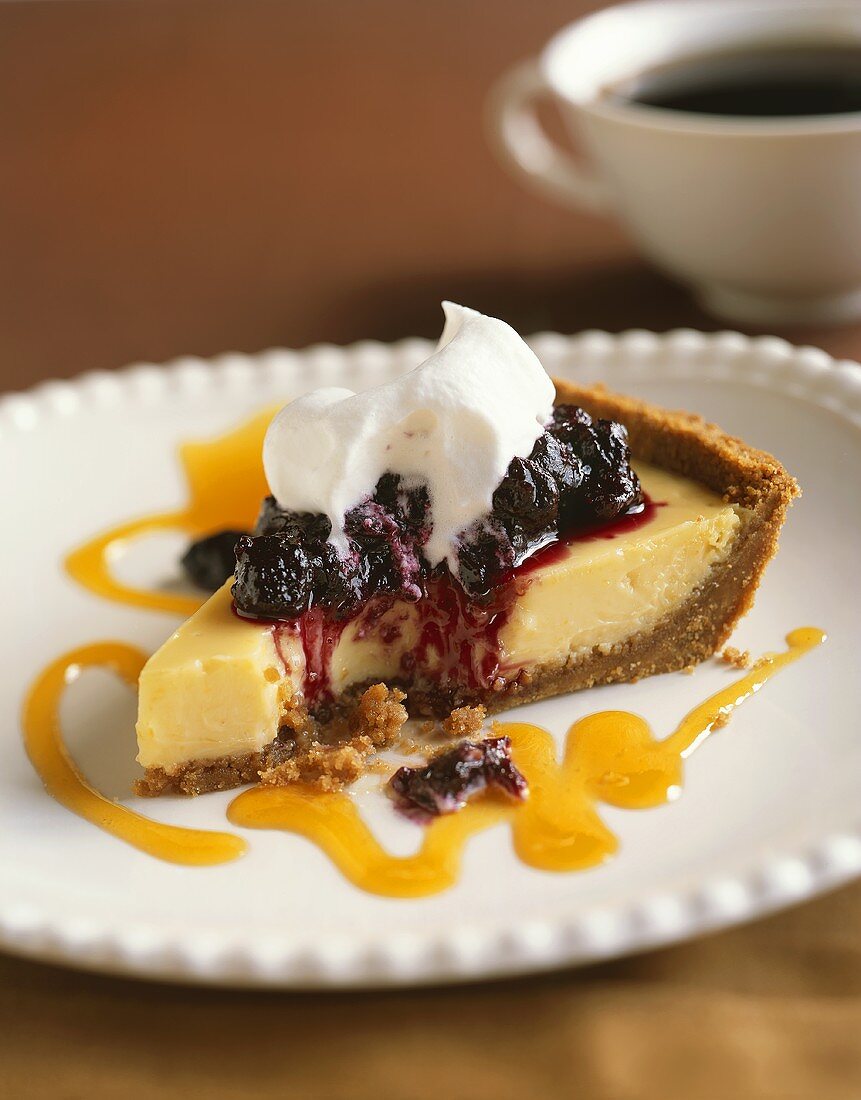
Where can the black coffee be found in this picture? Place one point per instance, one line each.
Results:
(768, 82)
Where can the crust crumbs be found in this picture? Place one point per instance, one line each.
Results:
(374, 723)
(464, 721)
(379, 714)
(324, 767)
(737, 658)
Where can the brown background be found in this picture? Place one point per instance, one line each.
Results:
(196, 176)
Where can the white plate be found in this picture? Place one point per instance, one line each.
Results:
(769, 813)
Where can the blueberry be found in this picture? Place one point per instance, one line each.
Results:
(272, 577)
(209, 561)
(485, 555)
(445, 784)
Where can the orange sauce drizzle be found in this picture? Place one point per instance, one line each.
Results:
(610, 757)
(44, 743)
(226, 484)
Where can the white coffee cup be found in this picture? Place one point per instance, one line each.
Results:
(761, 216)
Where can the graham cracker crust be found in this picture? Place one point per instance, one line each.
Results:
(371, 722)
(677, 441)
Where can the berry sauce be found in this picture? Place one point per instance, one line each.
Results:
(457, 650)
(637, 517)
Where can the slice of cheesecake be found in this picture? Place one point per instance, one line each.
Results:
(656, 587)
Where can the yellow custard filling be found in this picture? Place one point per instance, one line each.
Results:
(605, 590)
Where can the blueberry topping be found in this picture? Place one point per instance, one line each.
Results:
(210, 561)
(274, 575)
(578, 474)
(450, 779)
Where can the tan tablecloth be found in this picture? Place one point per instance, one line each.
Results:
(771, 1011)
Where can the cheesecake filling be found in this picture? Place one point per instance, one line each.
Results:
(217, 687)
(224, 686)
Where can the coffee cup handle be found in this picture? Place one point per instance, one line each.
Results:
(529, 152)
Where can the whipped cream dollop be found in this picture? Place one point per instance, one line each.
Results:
(453, 423)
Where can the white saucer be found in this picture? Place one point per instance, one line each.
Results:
(769, 814)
